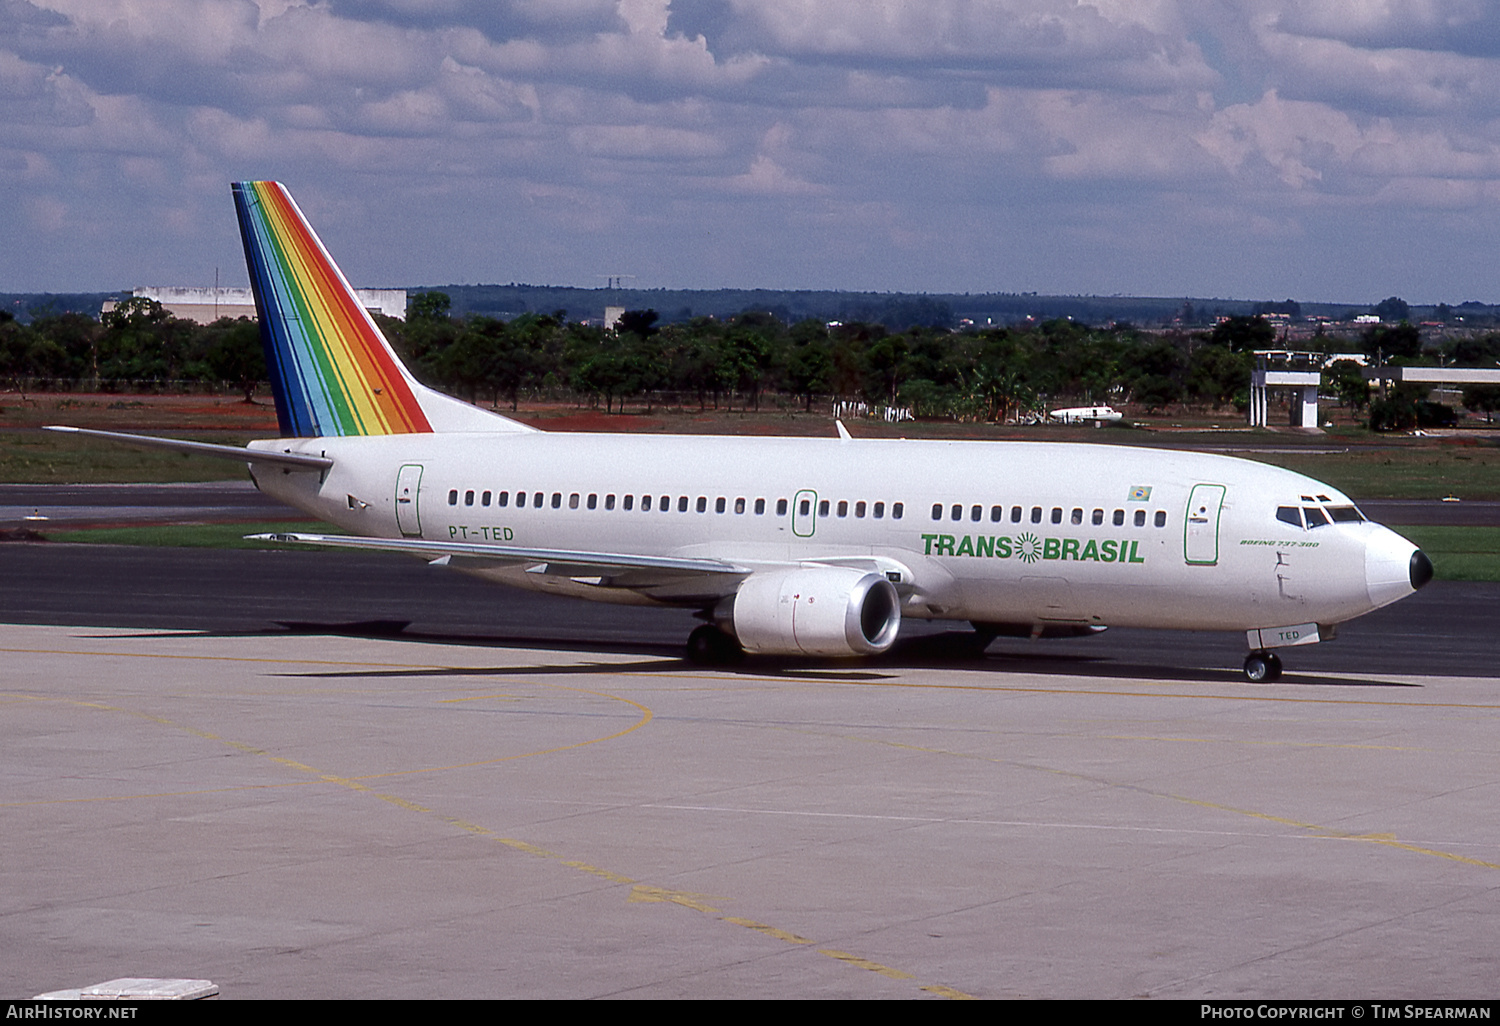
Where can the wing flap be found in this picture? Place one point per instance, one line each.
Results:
(646, 574)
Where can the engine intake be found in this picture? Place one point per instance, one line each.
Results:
(818, 611)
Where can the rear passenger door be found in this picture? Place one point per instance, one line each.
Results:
(408, 484)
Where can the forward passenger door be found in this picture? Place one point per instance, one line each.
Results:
(1200, 543)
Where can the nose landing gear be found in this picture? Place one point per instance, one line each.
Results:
(1262, 667)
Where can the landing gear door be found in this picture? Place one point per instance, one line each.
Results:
(408, 484)
(1200, 543)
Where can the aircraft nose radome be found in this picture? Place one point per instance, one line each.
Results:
(1394, 567)
(1421, 569)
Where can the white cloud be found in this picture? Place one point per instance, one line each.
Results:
(925, 128)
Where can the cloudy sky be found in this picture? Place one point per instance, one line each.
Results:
(1340, 150)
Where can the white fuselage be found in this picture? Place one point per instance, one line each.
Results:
(993, 532)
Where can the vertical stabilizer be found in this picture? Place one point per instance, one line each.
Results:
(332, 371)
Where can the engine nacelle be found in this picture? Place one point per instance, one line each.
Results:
(818, 611)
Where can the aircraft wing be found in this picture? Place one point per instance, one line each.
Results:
(230, 452)
(664, 578)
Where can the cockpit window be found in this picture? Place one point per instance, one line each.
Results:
(1315, 517)
(1345, 514)
(1289, 515)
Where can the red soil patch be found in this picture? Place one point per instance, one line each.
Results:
(589, 420)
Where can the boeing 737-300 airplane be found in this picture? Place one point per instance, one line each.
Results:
(787, 546)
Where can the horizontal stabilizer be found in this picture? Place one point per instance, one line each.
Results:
(224, 452)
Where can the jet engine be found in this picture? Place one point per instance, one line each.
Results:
(817, 611)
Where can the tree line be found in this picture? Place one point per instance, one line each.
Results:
(744, 361)
(980, 374)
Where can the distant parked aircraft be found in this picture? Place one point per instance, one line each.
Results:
(1081, 414)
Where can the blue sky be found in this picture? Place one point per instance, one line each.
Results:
(1339, 150)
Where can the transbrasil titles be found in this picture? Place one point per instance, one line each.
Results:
(1029, 548)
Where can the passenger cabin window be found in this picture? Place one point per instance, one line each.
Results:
(453, 497)
(703, 504)
(626, 502)
(1057, 514)
(996, 512)
(666, 503)
(609, 501)
(484, 500)
(1161, 518)
(760, 507)
(1140, 518)
(739, 505)
(859, 508)
(975, 512)
(557, 500)
(1077, 516)
(822, 507)
(1119, 518)
(1098, 517)
(879, 511)
(897, 509)
(573, 501)
(721, 504)
(958, 512)
(645, 504)
(469, 497)
(536, 501)
(503, 499)
(780, 507)
(1015, 514)
(1036, 514)
(937, 511)
(593, 500)
(682, 504)
(843, 508)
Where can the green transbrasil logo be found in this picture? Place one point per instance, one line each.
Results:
(1030, 548)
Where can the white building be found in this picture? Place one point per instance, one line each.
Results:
(208, 304)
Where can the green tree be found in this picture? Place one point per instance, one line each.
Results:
(142, 341)
(1483, 351)
(430, 306)
(1244, 334)
(1153, 374)
(1347, 381)
(1483, 399)
(233, 353)
(1393, 309)
(809, 368)
(640, 323)
(1219, 375)
(1400, 342)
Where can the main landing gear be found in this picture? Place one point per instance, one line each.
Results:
(1262, 667)
(709, 646)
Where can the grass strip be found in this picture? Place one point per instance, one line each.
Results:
(197, 536)
(1458, 553)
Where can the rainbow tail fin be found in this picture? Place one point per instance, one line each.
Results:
(332, 371)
